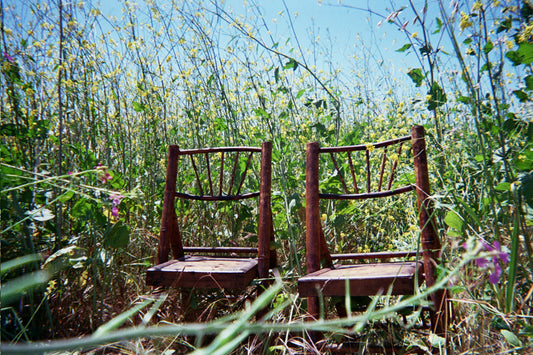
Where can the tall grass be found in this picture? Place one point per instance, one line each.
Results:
(85, 123)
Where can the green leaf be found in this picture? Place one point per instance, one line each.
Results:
(139, 107)
(503, 186)
(464, 99)
(439, 25)
(437, 97)
(453, 220)
(521, 95)
(19, 262)
(511, 338)
(66, 196)
(529, 82)
(416, 76)
(291, 64)
(526, 188)
(404, 48)
(14, 289)
(83, 209)
(488, 47)
(13, 130)
(505, 25)
(426, 49)
(527, 331)
(118, 236)
(524, 161)
(523, 55)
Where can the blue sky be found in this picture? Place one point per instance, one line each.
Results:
(335, 29)
(342, 29)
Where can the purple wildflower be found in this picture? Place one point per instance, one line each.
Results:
(106, 177)
(116, 198)
(114, 211)
(9, 58)
(492, 263)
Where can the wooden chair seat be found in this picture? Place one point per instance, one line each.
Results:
(204, 272)
(364, 279)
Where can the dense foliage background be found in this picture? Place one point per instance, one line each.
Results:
(90, 102)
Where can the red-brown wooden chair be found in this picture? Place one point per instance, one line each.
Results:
(215, 175)
(388, 276)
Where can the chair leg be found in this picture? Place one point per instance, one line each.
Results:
(440, 314)
(313, 312)
(263, 311)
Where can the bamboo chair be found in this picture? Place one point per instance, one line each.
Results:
(219, 176)
(326, 279)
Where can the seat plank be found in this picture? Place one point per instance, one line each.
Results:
(364, 279)
(204, 272)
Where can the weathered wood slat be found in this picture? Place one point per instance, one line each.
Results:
(374, 255)
(364, 279)
(204, 272)
(225, 250)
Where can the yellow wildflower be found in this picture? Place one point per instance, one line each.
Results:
(477, 6)
(465, 21)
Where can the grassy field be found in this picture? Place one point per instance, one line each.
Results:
(90, 103)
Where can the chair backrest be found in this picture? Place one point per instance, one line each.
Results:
(216, 175)
(378, 173)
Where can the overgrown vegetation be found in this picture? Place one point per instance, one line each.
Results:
(90, 103)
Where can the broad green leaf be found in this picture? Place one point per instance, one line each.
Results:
(529, 82)
(488, 47)
(524, 161)
(138, 107)
(417, 76)
(453, 220)
(511, 338)
(523, 55)
(521, 95)
(118, 236)
(437, 97)
(82, 209)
